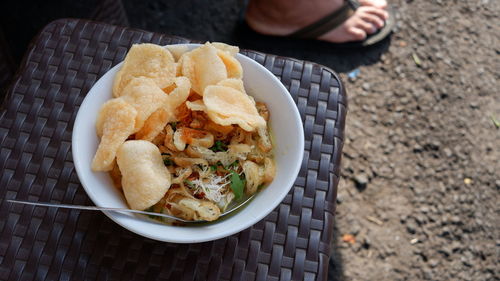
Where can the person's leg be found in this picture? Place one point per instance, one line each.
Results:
(283, 17)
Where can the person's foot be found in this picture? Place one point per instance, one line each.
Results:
(281, 18)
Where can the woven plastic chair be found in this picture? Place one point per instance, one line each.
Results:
(61, 65)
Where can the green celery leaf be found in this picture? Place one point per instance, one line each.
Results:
(237, 185)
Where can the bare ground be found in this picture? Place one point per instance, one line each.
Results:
(421, 166)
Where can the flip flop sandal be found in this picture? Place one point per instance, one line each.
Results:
(338, 17)
(335, 19)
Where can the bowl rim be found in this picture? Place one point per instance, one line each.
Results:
(118, 217)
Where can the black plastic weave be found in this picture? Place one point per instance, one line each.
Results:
(62, 64)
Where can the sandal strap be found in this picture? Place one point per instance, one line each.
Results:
(327, 23)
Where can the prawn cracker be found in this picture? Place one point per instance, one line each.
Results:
(145, 179)
(203, 67)
(145, 60)
(226, 106)
(116, 123)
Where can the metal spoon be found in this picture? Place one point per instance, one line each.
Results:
(94, 208)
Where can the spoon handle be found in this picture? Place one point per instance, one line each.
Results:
(93, 208)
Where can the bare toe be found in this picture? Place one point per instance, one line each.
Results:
(368, 27)
(358, 34)
(383, 14)
(373, 19)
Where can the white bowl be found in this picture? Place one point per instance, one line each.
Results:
(288, 134)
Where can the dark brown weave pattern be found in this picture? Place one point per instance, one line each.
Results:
(63, 63)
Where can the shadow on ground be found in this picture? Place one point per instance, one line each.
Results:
(195, 19)
(336, 58)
